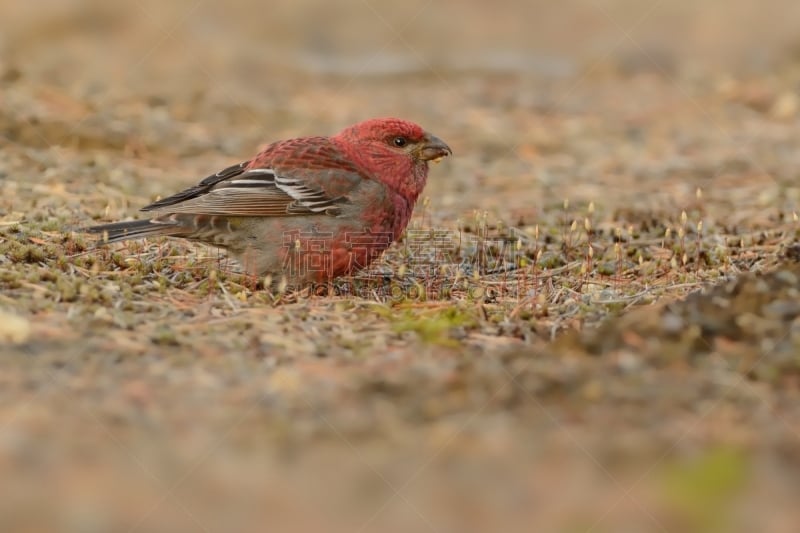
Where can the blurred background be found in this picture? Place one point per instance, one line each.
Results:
(566, 98)
(631, 104)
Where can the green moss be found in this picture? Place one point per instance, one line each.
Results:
(68, 290)
(164, 336)
(52, 224)
(702, 490)
(436, 327)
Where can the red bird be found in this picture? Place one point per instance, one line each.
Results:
(310, 209)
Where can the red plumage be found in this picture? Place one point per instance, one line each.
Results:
(310, 209)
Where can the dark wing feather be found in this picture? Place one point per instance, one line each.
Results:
(289, 178)
(249, 193)
(201, 188)
(254, 192)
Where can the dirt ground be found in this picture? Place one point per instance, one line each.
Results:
(592, 325)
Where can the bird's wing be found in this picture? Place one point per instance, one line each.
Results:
(283, 180)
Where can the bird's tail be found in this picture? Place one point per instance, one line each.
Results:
(132, 229)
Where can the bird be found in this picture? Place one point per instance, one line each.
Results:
(305, 210)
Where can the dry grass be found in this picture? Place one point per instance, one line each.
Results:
(590, 325)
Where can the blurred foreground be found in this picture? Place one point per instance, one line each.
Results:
(141, 392)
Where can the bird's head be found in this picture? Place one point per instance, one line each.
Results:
(394, 137)
(396, 151)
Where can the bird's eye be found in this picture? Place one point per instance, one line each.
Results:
(400, 141)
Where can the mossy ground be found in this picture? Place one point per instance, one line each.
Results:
(591, 325)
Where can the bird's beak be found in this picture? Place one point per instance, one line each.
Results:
(433, 149)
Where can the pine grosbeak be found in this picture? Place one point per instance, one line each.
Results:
(310, 209)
